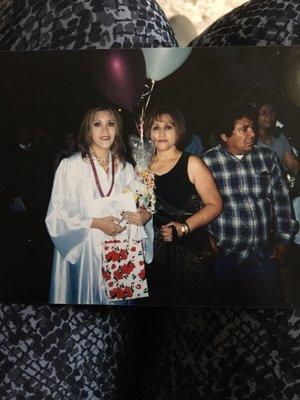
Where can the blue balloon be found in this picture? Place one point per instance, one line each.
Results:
(161, 62)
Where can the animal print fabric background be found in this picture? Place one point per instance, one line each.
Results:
(148, 353)
(257, 22)
(88, 24)
(49, 352)
(66, 353)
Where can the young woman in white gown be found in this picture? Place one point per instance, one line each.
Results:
(77, 234)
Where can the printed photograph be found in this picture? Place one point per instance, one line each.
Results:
(151, 177)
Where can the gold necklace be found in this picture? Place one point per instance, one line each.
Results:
(103, 162)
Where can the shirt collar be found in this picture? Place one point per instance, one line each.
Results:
(225, 150)
(25, 146)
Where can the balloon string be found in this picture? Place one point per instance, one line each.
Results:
(139, 124)
(148, 86)
(150, 92)
(146, 93)
(142, 126)
(143, 111)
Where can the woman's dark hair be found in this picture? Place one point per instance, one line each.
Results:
(84, 136)
(176, 117)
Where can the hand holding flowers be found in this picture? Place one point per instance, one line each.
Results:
(141, 217)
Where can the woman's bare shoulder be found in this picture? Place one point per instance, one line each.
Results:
(196, 162)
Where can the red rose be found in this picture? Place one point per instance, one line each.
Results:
(106, 275)
(113, 266)
(113, 293)
(127, 268)
(120, 293)
(110, 284)
(142, 274)
(128, 291)
(118, 275)
(123, 254)
(114, 256)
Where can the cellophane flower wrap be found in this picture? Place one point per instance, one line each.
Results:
(143, 185)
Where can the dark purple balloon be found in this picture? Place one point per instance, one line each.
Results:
(120, 75)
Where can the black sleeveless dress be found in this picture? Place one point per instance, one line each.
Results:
(180, 271)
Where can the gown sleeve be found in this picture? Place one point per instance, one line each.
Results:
(66, 223)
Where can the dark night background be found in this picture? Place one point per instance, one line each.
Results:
(54, 89)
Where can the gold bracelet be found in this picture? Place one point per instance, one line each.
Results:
(187, 228)
(183, 229)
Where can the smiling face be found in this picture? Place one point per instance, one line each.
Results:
(163, 133)
(241, 141)
(103, 130)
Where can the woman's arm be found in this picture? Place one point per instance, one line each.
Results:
(205, 185)
(291, 162)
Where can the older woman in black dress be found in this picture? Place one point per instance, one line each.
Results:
(187, 200)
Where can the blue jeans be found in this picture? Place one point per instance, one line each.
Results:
(252, 284)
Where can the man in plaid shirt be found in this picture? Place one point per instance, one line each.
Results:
(253, 232)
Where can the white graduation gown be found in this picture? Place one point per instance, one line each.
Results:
(76, 272)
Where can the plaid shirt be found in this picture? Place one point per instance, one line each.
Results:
(256, 202)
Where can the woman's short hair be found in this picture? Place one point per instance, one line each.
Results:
(84, 136)
(176, 117)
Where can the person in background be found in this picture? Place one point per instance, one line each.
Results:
(194, 146)
(69, 148)
(271, 136)
(27, 177)
(253, 233)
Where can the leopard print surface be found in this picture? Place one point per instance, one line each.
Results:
(257, 22)
(63, 353)
(88, 24)
(66, 353)
(224, 354)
